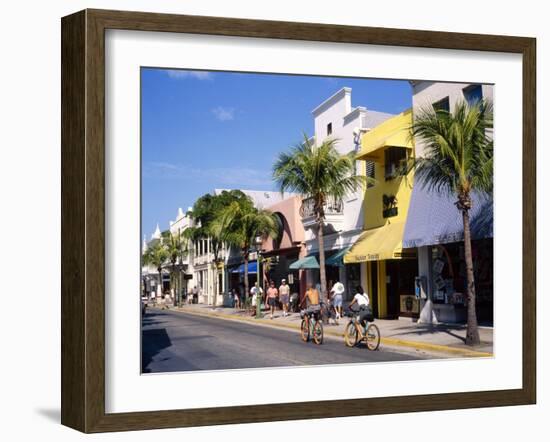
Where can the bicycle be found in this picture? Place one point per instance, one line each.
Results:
(311, 327)
(355, 332)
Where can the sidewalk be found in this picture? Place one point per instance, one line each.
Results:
(438, 340)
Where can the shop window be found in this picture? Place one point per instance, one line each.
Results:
(473, 94)
(389, 204)
(442, 104)
(370, 171)
(395, 162)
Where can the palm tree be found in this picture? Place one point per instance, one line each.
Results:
(457, 160)
(156, 255)
(206, 213)
(240, 224)
(319, 173)
(176, 246)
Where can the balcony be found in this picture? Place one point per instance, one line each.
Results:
(334, 212)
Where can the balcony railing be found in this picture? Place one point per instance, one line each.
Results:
(332, 207)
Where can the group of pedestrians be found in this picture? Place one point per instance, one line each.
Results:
(275, 297)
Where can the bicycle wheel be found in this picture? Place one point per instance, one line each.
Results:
(304, 330)
(318, 332)
(350, 335)
(373, 337)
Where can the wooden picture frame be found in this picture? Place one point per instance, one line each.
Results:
(83, 219)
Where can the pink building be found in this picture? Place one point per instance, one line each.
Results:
(287, 247)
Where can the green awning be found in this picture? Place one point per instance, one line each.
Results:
(337, 260)
(309, 262)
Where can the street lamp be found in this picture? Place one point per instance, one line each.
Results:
(258, 245)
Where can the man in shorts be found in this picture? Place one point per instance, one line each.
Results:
(312, 298)
(284, 296)
(272, 294)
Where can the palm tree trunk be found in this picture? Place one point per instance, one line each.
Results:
(322, 270)
(246, 288)
(160, 282)
(215, 283)
(472, 332)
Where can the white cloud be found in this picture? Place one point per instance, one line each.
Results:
(237, 177)
(224, 113)
(180, 73)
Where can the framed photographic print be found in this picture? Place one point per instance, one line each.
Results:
(249, 204)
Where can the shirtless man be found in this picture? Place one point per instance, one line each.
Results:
(312, 296)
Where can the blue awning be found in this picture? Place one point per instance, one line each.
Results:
(252, 268)
(309, 262)
(433, 218)
(337, 260)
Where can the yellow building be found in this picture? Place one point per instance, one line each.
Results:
(387, 151)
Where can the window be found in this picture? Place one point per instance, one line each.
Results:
(329, 129)
(370, 173)
(472, 94)
(395, 159)
(442, 104)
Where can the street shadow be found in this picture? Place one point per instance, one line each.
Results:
(152, 343)
(430, 330)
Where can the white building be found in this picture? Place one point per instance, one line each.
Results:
(434, 225)
(200, 261)
(336, 118)
(150, 275)
(182, 222)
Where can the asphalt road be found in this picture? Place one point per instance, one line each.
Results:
(174, 341)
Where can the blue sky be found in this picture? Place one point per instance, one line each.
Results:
(205, 130)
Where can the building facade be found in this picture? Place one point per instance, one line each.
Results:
(335, 118)
(387, 268)
(288, 247)
(434, 226)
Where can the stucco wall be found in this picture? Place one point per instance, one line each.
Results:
(425, 93)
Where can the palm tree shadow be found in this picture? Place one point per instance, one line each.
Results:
(482, 223)
(430, 329)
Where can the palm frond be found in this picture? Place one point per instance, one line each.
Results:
(458, 149)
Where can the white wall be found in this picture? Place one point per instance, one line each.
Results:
(30, 140)
(426, 93)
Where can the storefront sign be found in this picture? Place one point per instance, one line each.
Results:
(409, 304)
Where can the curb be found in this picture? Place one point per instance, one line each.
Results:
(394, 342)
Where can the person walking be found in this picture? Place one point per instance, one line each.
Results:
(337, 297)
(272, 294)
(284, 296)
(256, 293)
(236, 300)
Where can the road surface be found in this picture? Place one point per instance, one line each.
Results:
(175, 341)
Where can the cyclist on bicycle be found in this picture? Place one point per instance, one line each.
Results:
(312, 297)
(362, 300)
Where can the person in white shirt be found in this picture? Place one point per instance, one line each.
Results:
(256, 293)
(337, 296)
(362, 300)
